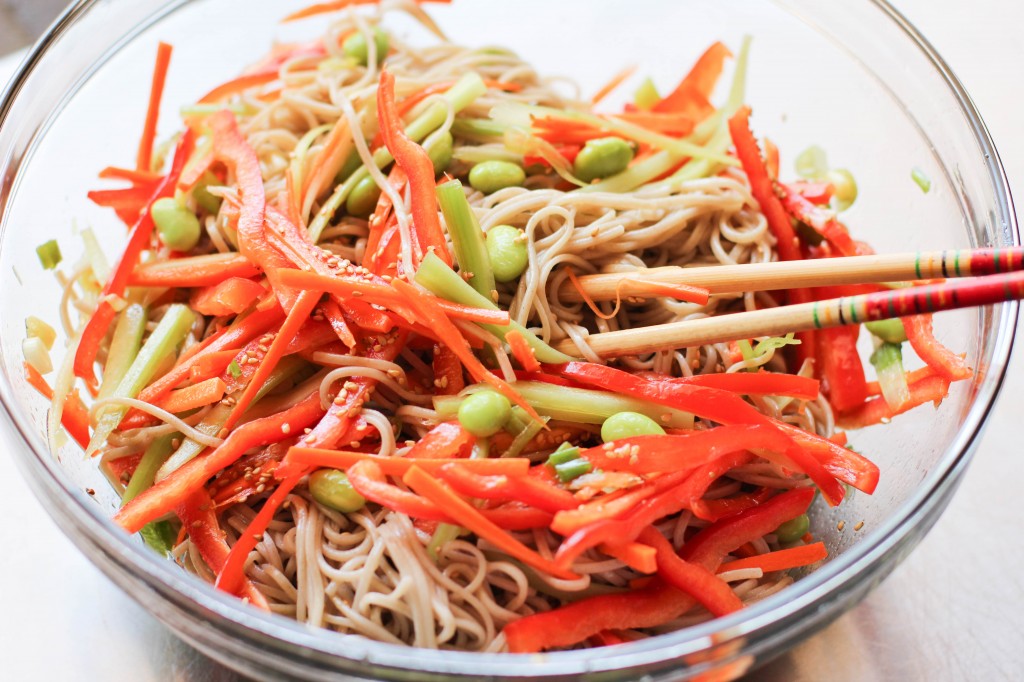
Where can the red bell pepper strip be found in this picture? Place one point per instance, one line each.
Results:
(199, 521)
(841, 368)
(369, 480)
(229, 297)
(75, 416)
(335, 317)
(143, 159)
(708, 403)
(447, 371)
(821, 220)
(613, 506)
(758, 383)
(780, 560)
(484, 469)
(658, 603)
(700, 80)
(231, 577)
(138, 240)
(684, 451)
(195, 171)
(414, 160)
(470, 517)
(513, 517)
(846, 465)
(528, 490)
(818, 193)
(134, 176)
(807, 349)
(719, 508)
(922, 339)
(876, 410)
(913, 376)
(133, 199)
(447, 440)
(691, 578)
(761, 185)
(166, 494)
(195, 271)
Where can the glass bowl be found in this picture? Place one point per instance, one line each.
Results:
(853, 77)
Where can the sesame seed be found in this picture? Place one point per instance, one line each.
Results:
(860, 524)
(286, 428)
(841, 525)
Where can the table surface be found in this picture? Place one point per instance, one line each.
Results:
(951, 611)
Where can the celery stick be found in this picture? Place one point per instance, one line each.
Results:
(156, 454)
(636, 175)
(460, 96)
(478, 129)
(94, 254)
(579, 405)
(442, 281)
(164, 340)
(524, 437)
(467, 237)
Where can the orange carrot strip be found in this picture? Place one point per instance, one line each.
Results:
(636, 555)
(194, 396)
(470, 517)
(399, 466)
(336, 5)
(780, 560)
(144, 158)
(328, 162)
(700, 80)
(131, 175)
(522, 351)
(615, 82)
(913, 376)
(236, 85)
(74, 418)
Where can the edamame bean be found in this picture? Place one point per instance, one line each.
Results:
(355, 46)
(891, 331)
(362, 200)
(490, 176)
(440, 152)
(506, 247)
(177, 226)
(602, 158)
(627, 425)
(332, 488)
(793, 530)
(484, 413)
(206, 201)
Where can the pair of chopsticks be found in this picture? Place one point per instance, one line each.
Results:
(994, 276)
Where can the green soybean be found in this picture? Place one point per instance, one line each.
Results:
(627, 425)
(177, 226)
(602, 158)
(793, 530)
(362, 201)
(506, 247)
(484, 413)
(890, 331)
(441, 151)
(490, 176)
(355, 46)
(332, 488)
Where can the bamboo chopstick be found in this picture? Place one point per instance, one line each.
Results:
(723, 279)
(833, 312)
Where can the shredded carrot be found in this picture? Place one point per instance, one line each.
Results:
(131, 175)
(327, 163)
(74, 418)
(636, 555)
(335, 6)
(780, 560)
(699, 82)
(521, 351)
(398, 466)
(237, 85)
(578, 286)
(615, 82)
(470, 517)
(144, 158)
(194, 396)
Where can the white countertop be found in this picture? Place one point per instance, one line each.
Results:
(951, 611)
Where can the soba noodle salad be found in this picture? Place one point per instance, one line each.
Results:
(343, 367)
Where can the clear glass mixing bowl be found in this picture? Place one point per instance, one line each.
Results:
(853, 77)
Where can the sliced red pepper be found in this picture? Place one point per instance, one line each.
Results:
(447, 371)
(195, 271)
(842, 371)
(229, 297)
(414, 160)
(199, 520)
(143, 159)
(658, 603)
(821, 220)
(846, 465)
(513, 467)
(691, 578)
(138, 240)
(780, 560)
(447, 440)
(700, 80)
(528, 490)
(818, 193)
(922, 339)
(758, 383)
(761, 185)
(168, 493)
(717, 509)
(74, 418)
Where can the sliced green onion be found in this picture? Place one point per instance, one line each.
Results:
(36, 328)
(922, 180)
(891, 331)
(892, 380)
(467, 238)
(441, 280)
(34, 351)
(234, 369)
(564, 453)
(49, 254)
(646, 95)
(567, 471)
(812, 163)
(846, 188)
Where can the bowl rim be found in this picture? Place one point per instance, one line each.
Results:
(350, 652)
